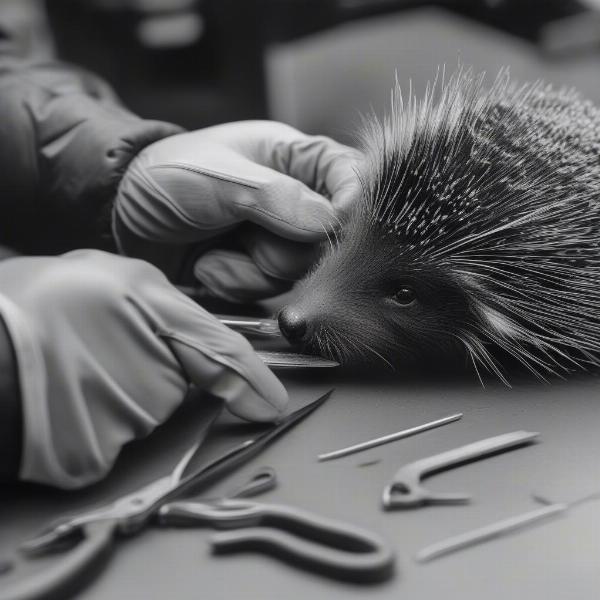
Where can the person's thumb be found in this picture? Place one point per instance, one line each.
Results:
(288, 208)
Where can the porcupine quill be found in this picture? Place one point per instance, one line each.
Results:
(477, 234)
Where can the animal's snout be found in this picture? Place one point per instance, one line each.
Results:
(292, 325)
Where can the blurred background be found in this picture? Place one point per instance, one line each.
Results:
(316, 64)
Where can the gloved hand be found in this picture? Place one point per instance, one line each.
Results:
(106, 348)
(273, 190)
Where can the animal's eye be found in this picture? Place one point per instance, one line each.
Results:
(404, 296)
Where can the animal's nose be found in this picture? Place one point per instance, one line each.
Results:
(292, 324)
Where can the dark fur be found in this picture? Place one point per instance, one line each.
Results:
(487, 204)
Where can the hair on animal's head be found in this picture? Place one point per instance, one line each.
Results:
(477, 234)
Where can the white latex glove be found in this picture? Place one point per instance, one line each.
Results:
(281, 191)
(106, 349)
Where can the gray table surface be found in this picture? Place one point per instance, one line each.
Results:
(558, 559)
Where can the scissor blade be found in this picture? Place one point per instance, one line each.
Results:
(213, 407)
(125, 508)
(241, 453)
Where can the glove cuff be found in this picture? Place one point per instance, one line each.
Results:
(39, 462)
(11, 421)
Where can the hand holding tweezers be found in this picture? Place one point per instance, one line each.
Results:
(275, 359)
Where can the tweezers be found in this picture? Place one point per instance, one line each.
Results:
(270, 328)
(252, 326)
(291, 360)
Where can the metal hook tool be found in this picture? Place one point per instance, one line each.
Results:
(406, 491)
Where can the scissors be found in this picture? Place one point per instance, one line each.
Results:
(87, 539)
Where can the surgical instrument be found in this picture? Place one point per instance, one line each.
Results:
(499, 528)
(291, 360)
(392, 437)
(269, 328)
(275, 359)
(252, 325)
(406, 491)
(88, 538)
(262, 327)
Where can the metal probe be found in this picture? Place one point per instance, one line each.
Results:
(392, 437)
(500, 528)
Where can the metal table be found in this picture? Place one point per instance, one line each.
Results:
(555, 560)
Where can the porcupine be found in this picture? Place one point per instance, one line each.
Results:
(477, 234)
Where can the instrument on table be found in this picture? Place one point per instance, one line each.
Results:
(386, 439)
(86, 540)
(500, 528)
(406, 491)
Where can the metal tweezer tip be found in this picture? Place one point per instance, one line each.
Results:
(291, 360)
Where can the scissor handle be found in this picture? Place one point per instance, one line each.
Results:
(263, 480)
(320, 544)
(68, 572)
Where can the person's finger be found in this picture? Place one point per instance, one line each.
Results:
(240, 394)
(321, 163)
(216, 358)
(175, 202)
(318, 161)
(288, 208)
(278, 257)
(235, 277)
(344, 186)
(194, 194)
